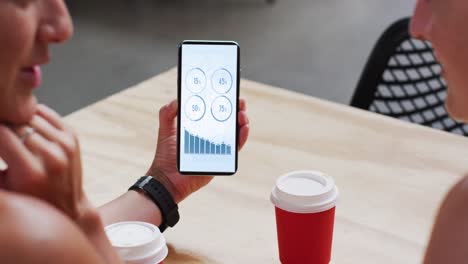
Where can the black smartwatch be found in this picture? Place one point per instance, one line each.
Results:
(161, 197)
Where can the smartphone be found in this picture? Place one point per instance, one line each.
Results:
(208, 94)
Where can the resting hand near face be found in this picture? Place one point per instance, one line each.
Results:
(44, 161)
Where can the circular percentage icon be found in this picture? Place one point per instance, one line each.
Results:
(222, 81)
(221, 108)
(196, 80)
(195, 108)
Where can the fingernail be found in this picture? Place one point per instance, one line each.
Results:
(3, 165)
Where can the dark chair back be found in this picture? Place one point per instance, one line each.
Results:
(402, 79)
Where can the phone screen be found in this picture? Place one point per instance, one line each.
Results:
(208, 97)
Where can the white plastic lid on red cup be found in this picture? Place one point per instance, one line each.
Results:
(138, 242)
(305, 192)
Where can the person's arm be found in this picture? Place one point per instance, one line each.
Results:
(449, 239)
(31, 231)
(133, 206)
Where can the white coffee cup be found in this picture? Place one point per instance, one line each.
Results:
(138, 242)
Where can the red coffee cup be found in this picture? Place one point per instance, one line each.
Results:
(305, 215)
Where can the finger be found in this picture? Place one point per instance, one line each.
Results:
(167, 115)
(54, 158)
(243, 119)
(64, 139)
(242, 105)
(51, 154)
(76, 170)
(53, 175)
(13, 152)
(21, 163)
(243, 135)
(46, 129)
(51, 116)
(169, 111)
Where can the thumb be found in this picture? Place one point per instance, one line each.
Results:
(167, 115)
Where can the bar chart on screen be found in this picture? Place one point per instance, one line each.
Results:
(194, 144)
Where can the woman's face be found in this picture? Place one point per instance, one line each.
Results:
(445, 24)
(27, 27)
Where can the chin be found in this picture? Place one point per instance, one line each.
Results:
(25, 113)
(456, 102)
(457, 110)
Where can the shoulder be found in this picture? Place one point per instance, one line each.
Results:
(31, 231)
(450, 232)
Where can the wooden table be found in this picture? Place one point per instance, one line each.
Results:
(392, 175)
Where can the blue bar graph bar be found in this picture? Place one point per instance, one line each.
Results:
(197, 145)
(194, 144)
(223, 149)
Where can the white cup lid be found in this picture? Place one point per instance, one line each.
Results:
(304, 192)
(155, 257)
(138, 242)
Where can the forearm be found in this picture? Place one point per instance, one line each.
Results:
(131, 206)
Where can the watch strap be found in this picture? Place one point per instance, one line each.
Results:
(161, 197)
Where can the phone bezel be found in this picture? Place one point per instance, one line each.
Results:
(179, 90)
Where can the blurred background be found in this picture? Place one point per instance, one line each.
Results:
(316, 47)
